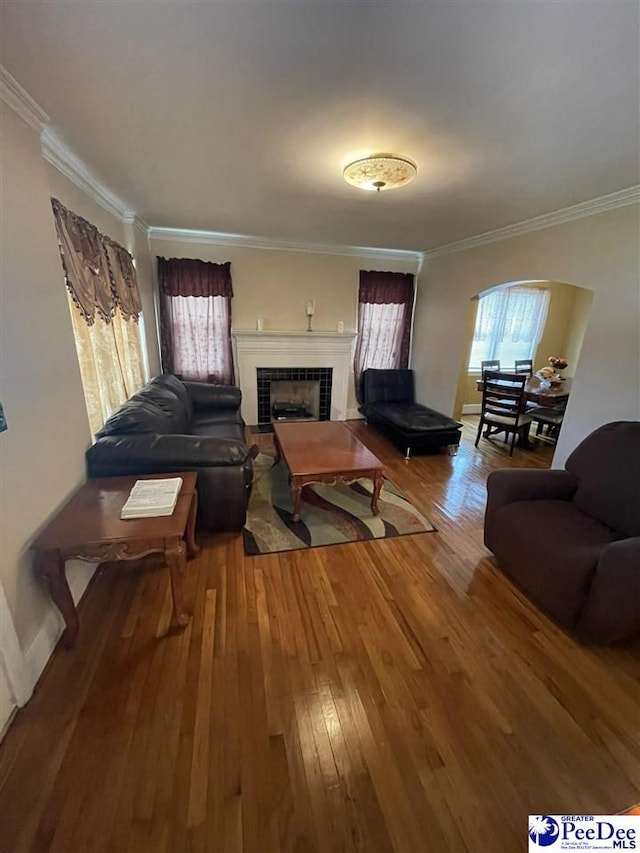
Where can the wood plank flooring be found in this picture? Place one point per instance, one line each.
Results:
(398, 695)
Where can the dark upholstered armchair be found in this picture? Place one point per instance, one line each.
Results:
(571, 539)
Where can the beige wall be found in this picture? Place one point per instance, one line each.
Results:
(274, 284)
(599, 252)
(42, 452)
(557, 328)
(580, 312)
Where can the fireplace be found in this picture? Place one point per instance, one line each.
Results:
(297, 400)
(327, 352)
(293, 393)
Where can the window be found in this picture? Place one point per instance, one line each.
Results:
(195, 319)
(509, 324)
(105, 307)
(385, 305)
(200, 331)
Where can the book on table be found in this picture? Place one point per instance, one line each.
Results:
(149, 498)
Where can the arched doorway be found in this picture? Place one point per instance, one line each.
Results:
(561, 332)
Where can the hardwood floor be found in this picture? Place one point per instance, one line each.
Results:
(394, 695)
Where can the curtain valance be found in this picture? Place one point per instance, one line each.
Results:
(386, 288)
(99, 273)
(193, 277)
(123, 279)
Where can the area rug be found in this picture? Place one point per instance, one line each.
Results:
(329, 515)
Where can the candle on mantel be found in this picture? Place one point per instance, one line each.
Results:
(311, 307)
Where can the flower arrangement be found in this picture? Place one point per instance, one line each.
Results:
(557, 362)
(549, 374)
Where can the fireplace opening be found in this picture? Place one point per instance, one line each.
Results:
(293, 393)
(295, 401)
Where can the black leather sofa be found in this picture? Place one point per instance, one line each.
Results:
(172, 425)
(389, 406)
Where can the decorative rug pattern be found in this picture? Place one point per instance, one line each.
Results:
(329, 515)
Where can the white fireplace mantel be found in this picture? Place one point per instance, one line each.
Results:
(254, 349)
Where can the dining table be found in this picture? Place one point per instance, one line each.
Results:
(553, 396)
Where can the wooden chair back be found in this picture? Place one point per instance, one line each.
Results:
(503, 405)
(503, 394)
(524, 365)
(492, 364)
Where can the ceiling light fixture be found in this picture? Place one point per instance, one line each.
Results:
(380, 172)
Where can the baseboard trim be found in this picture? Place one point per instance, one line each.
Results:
(471, 409)
(38, 654)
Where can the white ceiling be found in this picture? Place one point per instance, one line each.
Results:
(239, 116)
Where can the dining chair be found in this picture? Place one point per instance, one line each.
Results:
(550, 417)
(503, 403)
(524, 365)
(489, 364)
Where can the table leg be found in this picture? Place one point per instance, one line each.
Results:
(378, 480)
(175, 554)
(296, 493)
(52, 567)
(190, 533)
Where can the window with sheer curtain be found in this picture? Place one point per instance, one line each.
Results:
(509, 325)
(200, 338)
(105, 307)
(195, 319)
(385, 306)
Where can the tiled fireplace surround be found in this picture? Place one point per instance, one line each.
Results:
(319, 352)
(267, 375)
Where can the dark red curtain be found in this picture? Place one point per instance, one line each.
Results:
(192, 277)
(386, 288)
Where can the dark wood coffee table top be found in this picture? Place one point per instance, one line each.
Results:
(323, 447)
(325, 452)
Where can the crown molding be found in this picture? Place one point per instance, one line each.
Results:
(21, 102)
(61, 157)
(137, 223)
(217, 238)
(622, 198)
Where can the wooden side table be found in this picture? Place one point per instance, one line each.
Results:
(88, 527)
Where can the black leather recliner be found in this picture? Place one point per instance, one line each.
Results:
(389, 406)
(171, 425)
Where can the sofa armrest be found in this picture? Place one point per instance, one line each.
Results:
(145, 453)
(507, 485)
(612, 609)
(205, 397)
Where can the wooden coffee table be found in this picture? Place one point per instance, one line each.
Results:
(88, 527)
(325, 452)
